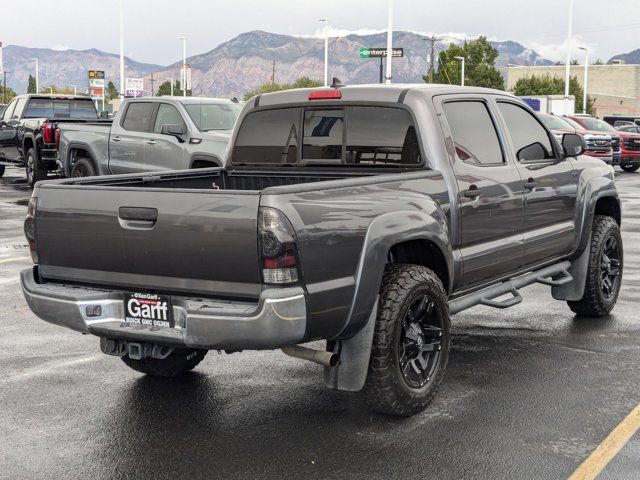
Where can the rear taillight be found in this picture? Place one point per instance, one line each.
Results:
(325, 94)
(30, 227)
(279, 258)
(48, 132)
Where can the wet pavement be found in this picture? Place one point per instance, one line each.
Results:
(529, 393)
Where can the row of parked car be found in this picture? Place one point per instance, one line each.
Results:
(619, 145)
(65, 135)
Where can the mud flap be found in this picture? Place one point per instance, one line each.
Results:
(351, 374)
(575, 290)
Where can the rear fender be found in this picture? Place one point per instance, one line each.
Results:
(383, 233)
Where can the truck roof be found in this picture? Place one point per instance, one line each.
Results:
(63, 96)
(369, 92)
(183, 100)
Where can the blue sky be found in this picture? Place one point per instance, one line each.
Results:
(152, 27)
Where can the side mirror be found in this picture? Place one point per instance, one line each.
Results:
(573, 145)
(535, 151)
(174, 131)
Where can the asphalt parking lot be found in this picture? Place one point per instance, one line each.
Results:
(530, 392)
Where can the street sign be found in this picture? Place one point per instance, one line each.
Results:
(133, 87)
(366, 52)
(96, 84)
(185, 83)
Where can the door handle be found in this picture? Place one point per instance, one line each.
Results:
(137, 218)
(115, 139)
(472, 192)
(530, 184)
(150, 142)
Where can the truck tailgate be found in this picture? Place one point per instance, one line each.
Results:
(201, 243)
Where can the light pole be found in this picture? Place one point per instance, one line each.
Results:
(75, 89)
(183, 77)
(37, 80)
(122, 86)
(326, 50)
(586, 78)
(171, 83)
(461, 70)
(567, 66)
(4, 86)
(389, 40)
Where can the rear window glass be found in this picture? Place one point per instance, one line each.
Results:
(349, 136)
(138, 117)
(60, 108)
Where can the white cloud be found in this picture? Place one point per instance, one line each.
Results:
(558, 51)
(60, 47)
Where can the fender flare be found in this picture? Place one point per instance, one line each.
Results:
(594, 190)
(384, 232)
(206, 158)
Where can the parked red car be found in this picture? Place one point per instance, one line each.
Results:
(629, 145)
(598, 145)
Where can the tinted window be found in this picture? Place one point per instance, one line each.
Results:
(555, 123)
(378, 136)
(323, 135)
(60, 108)
(17, 113)
(138, 117)
(530, 140)
(595, 124)
(208, 116)
(168, 115)
(9, 110)
(474, 133)
(268, 136)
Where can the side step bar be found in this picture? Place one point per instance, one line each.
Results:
(553, 275)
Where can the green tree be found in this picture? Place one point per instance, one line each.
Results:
(165, 89)
(548, 85)
(31, 87)
(177, 90)
(599, 61)
(111, 92)
(480, 65)
(302, 82)
(10, 94)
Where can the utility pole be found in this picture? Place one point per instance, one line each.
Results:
(151, 79)
(567, 66)
(122, 86)
(183, 78)
(389, 40)
(433, 39)
(4, 86)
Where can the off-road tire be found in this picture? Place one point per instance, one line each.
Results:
(593, 302)
(83, 168)
(386, 390)
(179, 362)
(630, 168)
(34, 171)
(1, 171)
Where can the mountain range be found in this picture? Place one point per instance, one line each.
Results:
(247, 61)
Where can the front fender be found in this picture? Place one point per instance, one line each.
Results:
(595, 183)
(384, 232)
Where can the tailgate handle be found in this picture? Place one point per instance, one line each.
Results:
(137, 217)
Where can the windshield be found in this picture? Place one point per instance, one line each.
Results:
(213, 116)
(574, 124)
(596, 125)
(555, 123)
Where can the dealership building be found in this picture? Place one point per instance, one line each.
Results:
(615, 89)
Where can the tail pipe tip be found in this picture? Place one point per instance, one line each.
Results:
(321, 357)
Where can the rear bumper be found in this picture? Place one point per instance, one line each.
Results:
(278, 318)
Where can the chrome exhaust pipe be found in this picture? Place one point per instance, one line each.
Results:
(321, 357)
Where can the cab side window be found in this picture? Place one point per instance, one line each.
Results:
(474, 134)
(530, 140)
(6, 116)
(17, 113)
(168, 115)
(138, 117)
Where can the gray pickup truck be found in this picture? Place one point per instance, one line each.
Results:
(363, 216)
(148, 134)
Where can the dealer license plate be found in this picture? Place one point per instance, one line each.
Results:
(148, 309)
